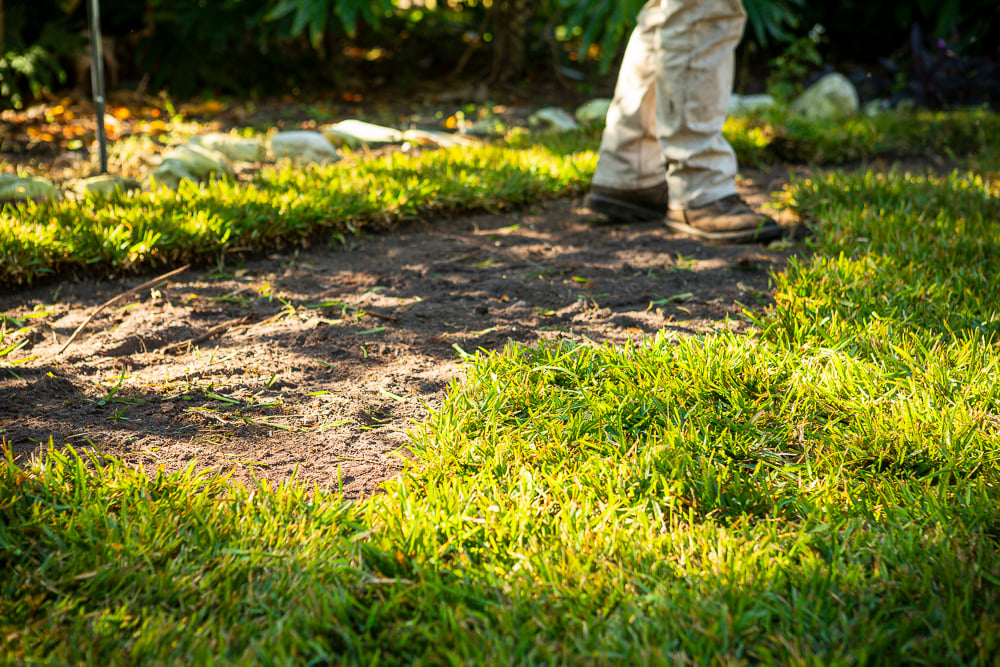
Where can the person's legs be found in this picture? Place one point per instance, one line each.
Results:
(630, 180)
(695, 47)
(630, 156)
(665, 125)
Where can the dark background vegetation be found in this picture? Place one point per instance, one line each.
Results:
(937, 53)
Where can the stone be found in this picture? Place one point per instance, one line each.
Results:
(553, 118)
(23, 188)
(236, 149)
(487, 127)
(593, 112)
(832, 97)
(357, 133)
(876, 107)
(105, 185)
(439, 139)
(745, 104)
(303, 145)
(191, 163)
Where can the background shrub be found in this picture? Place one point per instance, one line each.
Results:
(266, 46)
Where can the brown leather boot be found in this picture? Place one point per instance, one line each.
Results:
(628, 205)
(728, 220)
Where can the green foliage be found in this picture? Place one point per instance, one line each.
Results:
(254, 29)
(313, 16)
(266, 45)
(789, 70)
(607, 23)
(232, 45)
(604, 23)
(772, 19)
(29, 66)
(27, 72)
(872, 29)
(196, 44)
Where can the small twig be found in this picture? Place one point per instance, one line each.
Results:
(274, 317)
(383, 316)
(214, 331)
(111, 302)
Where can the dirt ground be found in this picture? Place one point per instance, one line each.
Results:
(316, 364)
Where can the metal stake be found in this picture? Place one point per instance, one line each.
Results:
(97, 79)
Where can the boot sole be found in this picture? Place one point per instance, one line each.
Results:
(766, 232)
(621, 210)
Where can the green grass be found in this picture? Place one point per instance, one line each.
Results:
(283, 207)
(906, 252)
(777, 135)
(824, 491)
(287, 207)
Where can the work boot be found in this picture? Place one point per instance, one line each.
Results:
(728, 220)
(628, 205)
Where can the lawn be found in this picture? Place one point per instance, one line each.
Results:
(825, 490)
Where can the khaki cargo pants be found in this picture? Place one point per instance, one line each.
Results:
(670, 102)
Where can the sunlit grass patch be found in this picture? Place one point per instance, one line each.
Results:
(736, 425)
(912, 251)
(690, 500)
(778, 135)
(282, 207)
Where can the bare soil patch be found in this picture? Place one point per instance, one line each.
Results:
(315, 364)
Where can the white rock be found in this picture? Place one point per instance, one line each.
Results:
(202, 162)
(833, 96)
(303, 145)
(23, 188)
(593, 112)
(744, 104)
(191, 163)
(105, 185)
(234, 148)
(554, 118)
(876, 107)
(357, 133)
(440, 139)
